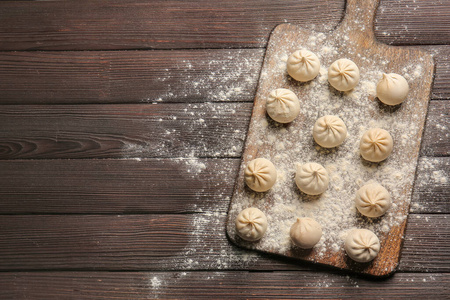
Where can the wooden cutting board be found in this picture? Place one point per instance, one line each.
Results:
(286, 145)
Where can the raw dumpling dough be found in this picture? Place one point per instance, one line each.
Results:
(251, 224)
(376, 145)
(306, 232)
(303, 65)
(372, 200)
(362, 245)
(312, 178)
(392, 89)
(329, 131)
(343, 74)
(282, 105)
(260, 175)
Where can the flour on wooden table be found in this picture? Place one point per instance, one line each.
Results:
(231, 75)
(207, 123)
(194, 166)
(433, 176)
(287, 146)
(207, 243)
(155, 283)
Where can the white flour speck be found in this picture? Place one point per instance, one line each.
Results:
(155, 283)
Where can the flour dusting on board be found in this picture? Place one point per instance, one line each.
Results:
(289, 145)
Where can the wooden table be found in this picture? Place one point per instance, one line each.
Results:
(121, 130)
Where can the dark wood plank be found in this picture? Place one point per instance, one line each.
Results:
(101, 25)
(174, 242)
(432, 186)
(158, 186)
(421, 230)
(414, 22)
(148, 76)
(116, 186)
(441, 88)
(199, 24)
(199, 285)
(79, 241)
(435, 139)
(123, 131)
(146, 130)
(129, 76)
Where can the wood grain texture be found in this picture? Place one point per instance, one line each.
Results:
(101, 25)
(158, 186)
(116, 186)
(441, 88)
(129, 76)
(148, 76)
(174, 242)
(200, 24)
(415, 22)
(123, 131)
(202, 285)
(91, 242)
(426, 228)
(436, 135)
(432, 186)
(146, 130)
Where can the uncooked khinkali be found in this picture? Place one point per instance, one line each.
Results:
(362, 245)
(282, 105)
(376, 145)
(303, 65)
(329, 131)
(392, 89)
(306, 232)
(372, 200)
(312, 178)
(251, 224)
(260, 174)
(343, 74)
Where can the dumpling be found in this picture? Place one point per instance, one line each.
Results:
(303, 65)
(329, 131)
(343, 74)
(251, 224)
(376, 145)
(305, 233)
(362, 245)
(392, 89)
(372, 200)
(282, 105)
(312, 178)
(260, 174)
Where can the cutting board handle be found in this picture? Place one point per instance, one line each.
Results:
(359, 17)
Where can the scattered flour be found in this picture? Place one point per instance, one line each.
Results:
(208, 246)
(208, 241)
(194, 165)
(432, 172)
(228, 76)
(185, 134)
(155, 283)
(439, 177)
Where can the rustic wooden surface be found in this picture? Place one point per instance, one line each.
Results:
(103, 199)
